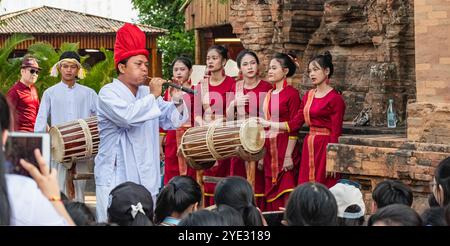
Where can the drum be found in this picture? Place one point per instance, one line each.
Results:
(74, 140)
(202, 146)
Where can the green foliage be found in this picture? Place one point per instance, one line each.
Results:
(101, 73)
(10, 68)
(166, 14)
(96, 77)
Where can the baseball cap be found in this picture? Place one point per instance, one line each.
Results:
(346, 195)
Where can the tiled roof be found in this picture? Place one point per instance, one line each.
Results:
(60, 21)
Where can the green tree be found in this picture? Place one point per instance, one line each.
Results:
(166, 14)
(10, 67)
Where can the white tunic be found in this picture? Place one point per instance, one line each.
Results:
(129, 138)
(64, 104)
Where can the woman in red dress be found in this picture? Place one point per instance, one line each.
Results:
(209, 105)
(282, 158)
(175, 164)
(249, 93)
(323, 110)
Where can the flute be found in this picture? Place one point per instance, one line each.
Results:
(177, 86)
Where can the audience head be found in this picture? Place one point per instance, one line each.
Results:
(180, 196)
(350, 203)
(391, 192)
(202, 218)
(130, 204)
(319, 209)
(80, 213)
(434, 216)
(230, 216)
(441, 183)
(395, 215)
(237, 193)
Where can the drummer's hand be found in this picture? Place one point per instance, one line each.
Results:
(288, 163)
(47, 181)
(156, 86)
(261, 165)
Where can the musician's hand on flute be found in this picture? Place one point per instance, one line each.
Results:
(155, 85)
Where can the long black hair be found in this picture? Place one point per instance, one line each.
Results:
(237, 193)
(319, 209)
(180, 193)
(5, 209)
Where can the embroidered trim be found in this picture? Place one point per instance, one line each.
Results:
(280, 194)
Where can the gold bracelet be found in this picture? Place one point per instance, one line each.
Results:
(55, 199)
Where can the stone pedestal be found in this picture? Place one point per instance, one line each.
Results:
(372, 159)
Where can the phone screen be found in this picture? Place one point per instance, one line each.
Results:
(274, 218)
(22, 146)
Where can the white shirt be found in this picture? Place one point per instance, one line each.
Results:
(29, 207)
(65, 104)
(129, 135)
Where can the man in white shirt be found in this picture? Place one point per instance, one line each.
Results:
(64, 102)
(129, 116)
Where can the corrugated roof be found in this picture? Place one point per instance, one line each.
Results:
(53, 20)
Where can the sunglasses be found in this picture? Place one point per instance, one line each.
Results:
(34, 71)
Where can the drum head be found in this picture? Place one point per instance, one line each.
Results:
(252, 135)
(57, 142)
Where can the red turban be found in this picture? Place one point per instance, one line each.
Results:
(130, 41)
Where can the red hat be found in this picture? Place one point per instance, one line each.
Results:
(30, 62)
(130, 41)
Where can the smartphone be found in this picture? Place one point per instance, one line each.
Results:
(274, 218)
(21, 145)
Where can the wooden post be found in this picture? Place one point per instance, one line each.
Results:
(198, 47)
(202, 185)
(250, 167)
(69, 181)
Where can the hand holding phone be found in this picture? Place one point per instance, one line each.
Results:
(21, 145)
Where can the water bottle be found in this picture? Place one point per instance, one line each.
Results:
(391, 117)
